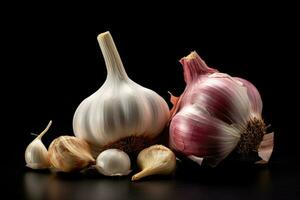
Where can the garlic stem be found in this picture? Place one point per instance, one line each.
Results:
(113, 62)
(44, 131)
(194, 66)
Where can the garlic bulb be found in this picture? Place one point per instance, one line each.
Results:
(68, 153)
(36, 154)
(113, 162)
(156, 159)
(217, 114)
(121, 114)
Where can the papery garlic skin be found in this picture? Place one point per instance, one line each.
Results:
(36, 154)
(215, 114)
(69, 153)
(113, 162)
(253, 95)
(155, 160)
(202, 139)
(121, 108)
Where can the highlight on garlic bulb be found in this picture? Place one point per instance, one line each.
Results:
(113, 162)
(69, 153)
(155, 160)
(121, 114)
(36, 154)
(217, 114)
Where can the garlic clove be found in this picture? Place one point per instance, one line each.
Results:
(36, 154)
(156, 159)
(113, 162)
(69, 153)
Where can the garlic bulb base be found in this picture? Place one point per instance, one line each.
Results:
(131, 145)
(252, 136)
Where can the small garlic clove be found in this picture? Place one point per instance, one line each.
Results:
(69, 153)
(36, 154)
(156, 159)
(113, 162)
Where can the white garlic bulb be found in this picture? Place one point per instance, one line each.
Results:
(154, 160)
(113, 162)
(69, 153)
(121, 111)
(36, 154)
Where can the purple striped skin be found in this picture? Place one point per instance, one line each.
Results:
(204, 144)
(210, 115)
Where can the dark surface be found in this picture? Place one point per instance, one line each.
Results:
(276, 181)
(54, 62)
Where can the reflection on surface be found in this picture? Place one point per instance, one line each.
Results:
(39, 186)
(35, 185)
(208, 185)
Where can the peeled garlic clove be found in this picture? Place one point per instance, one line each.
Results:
(156, 159)
(113, 162)
(36, 154)
(69, 153)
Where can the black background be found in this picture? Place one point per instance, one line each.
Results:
(54, 62)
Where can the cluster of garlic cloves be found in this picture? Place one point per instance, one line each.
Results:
(65, 153)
